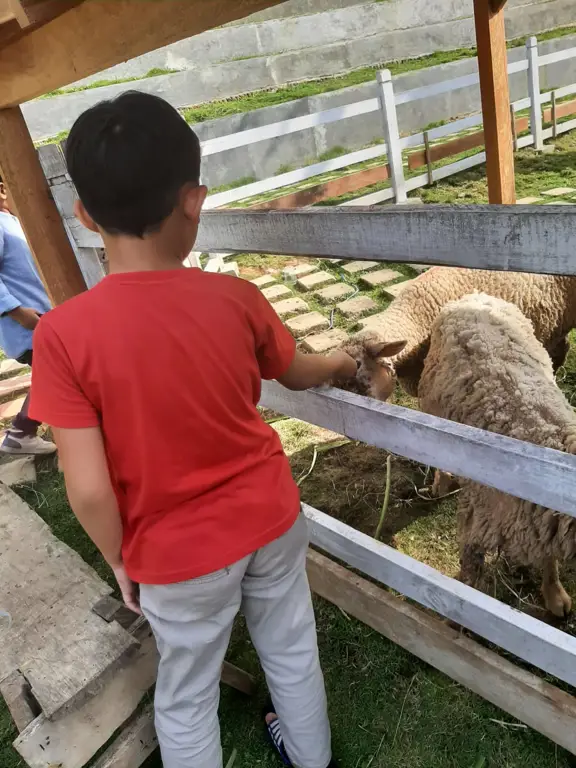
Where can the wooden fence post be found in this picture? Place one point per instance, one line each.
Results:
(391, 133)
(534, 93)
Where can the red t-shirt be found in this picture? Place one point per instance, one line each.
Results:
(169, 365)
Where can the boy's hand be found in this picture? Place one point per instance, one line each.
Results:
(26, 317)
(129, 589)
(346, 367)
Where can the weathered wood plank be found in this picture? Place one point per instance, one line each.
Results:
(71, 741)
(531, 472)
(136, 742)
(62, 648)
(237, 678)
(544, 646)
(17, 385)
(456, 146)
(563, 109)
(521, 238)
(17, 694)
(495, 94)
(58, 53)
(334, 188)
(523, 695)
(35, 208)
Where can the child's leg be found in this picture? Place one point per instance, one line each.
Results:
(278, 609)
(192, 622)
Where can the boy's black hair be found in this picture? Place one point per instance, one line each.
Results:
(129, 158)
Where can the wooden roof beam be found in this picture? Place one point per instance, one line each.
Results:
(97, 34)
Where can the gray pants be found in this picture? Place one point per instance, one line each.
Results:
(192, 622)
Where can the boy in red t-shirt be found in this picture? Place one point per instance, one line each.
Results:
(150, 382)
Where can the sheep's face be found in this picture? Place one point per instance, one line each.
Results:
(376, 376)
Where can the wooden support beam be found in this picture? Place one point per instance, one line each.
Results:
(98, 34)
(525, 696)
(493, 69)
(34, 206)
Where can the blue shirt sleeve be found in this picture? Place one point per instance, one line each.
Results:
(7, 301)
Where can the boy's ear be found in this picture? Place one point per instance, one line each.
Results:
(84, 216)
(194, 200)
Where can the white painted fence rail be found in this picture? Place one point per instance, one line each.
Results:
(547, 648)
(512, 238)
(537, 474)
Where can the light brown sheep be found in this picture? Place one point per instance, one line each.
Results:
(375, 376)
(548, 301)
(486, 368)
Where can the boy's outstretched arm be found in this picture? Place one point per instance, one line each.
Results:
(308, 371)
(93, 500)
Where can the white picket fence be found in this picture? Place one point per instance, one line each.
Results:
(394, 145)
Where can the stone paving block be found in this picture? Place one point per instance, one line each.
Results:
(299, 270)
(290, 306)
(334, 262)
(359, 266)
(334, 292)
(559, 191)
(379, 277)
(263, 281)
(311, 321)
(420, 267)
(10, 409)
(315, 280)
(18, 471)
(276, 292)
(374, 322)
(528, 200)
(559, 202)
(322, 342)
(396, 290)
(357, 306)
(9, 366)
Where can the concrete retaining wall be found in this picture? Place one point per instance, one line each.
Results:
(342, 39)
(47, 117)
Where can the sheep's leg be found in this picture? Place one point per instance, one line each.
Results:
(556, 599)
(444, 483)
(471, 565)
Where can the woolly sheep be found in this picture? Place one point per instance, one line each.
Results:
(485, 368)
(548, 301)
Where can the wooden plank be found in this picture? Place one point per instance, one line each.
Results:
(61, 52)
(458, 145)
(334, 188)
(540, 644)
(62, 648)
(541, 475)
(520, 238)
(17, 694)
(492, 67)
(523, 695)
(237, 678)
(563, 109)
(18, 385)
(136, 742)
(71, 741)
(31, 12)
(35, 208)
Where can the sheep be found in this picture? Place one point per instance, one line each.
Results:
(375, 376)
(486, 368)
(548, 301)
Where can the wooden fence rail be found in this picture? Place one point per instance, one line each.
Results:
(515, 238)
(544, 646)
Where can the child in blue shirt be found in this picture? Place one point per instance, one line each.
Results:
(23, 300)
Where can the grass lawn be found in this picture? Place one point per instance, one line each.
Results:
(388, 709)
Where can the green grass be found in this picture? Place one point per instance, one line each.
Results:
(154, 72)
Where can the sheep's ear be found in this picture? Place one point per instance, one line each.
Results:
(385, 349)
